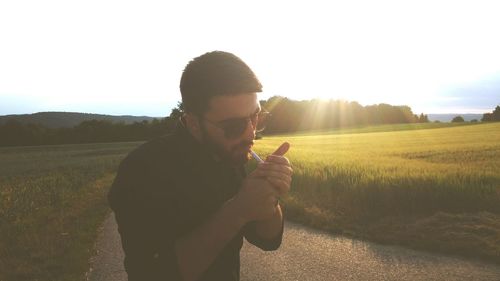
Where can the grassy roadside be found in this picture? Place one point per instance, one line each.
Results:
(436, 190)
(52, 201)
(474, 235)
(52, 244)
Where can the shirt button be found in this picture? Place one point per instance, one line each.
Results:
(156, 255)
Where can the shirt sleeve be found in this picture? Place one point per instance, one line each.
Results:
(149, 247)
(250, 233)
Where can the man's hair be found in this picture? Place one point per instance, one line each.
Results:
(213, 74)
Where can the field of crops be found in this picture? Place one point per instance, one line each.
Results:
(436, 189)
(431, 186)
(52, 199)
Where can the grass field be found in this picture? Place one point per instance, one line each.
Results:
(435, 189)
(431, 186)
(52, 200)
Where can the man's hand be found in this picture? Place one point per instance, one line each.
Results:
(256, 199)
(261, 189)
(277, 170)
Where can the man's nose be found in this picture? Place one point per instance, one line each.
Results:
(250, 130)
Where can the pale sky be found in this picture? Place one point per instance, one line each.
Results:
(124, 57)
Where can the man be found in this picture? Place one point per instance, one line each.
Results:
(183, 202)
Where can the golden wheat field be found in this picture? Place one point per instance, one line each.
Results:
(437, 189)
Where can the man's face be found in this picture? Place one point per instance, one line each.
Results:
(224, 110)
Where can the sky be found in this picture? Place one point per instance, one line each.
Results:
(126, 57)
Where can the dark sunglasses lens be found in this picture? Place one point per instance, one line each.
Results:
(236, 127)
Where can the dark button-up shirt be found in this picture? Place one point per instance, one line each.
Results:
(165, 189)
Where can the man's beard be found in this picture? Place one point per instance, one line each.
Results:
(237, 155)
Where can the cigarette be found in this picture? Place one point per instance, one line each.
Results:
(256, 157)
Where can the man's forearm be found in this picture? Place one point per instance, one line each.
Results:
(196, 251)
(270, 228)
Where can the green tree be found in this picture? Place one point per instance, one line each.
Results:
(492, 117)
(457, 119)
(177, 112)
(423, 118)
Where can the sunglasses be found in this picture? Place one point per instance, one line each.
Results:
(235, 127)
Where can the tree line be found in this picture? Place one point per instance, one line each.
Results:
(492, 117)
(286, 116)
(487, 117)
(291, 116)
(15, 133)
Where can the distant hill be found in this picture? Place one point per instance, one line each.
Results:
(69, 119)
(449, 116)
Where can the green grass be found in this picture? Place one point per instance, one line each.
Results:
(436, 189)
(52, 200)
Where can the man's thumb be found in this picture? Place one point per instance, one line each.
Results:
(282, 149)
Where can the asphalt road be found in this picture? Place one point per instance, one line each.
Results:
(308, 254)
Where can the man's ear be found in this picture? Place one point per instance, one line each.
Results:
(193, 124)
